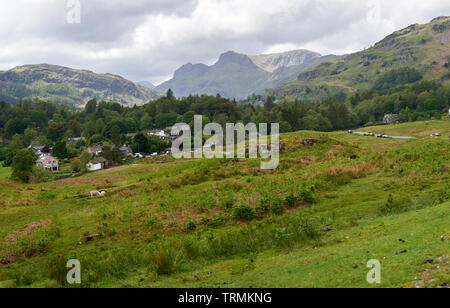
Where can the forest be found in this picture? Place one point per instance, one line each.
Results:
(37, 122)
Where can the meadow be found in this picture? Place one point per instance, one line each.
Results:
(336, 201)
(5, 172)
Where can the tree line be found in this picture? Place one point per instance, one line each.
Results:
(42, 123)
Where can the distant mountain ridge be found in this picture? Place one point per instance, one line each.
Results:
(424, 48)
(146, 84)
(272, 62)
(69, 86)
(236, 75)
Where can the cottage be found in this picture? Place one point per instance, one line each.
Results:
(95, 150)
(48, 163)
(131, 135)
(98, 163)
(37, 150)
(126, 150)
(390, 118)
(161, 135)
(73, 141)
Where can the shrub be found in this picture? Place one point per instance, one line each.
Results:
(290, 200)
(167, 261)
(306, 195)
(191, 226)
(244, 211)
(227, 202)
(39, 175)
(277, 206)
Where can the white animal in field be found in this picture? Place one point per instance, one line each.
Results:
(96, 193)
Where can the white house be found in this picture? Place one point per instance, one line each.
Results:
(98, 163)
(93, 167)
(161, 134)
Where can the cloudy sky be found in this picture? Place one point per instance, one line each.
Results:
(149, 39)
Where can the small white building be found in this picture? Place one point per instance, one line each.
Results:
(91, 167)
(97, 164)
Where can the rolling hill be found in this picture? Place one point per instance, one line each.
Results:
(238, 76)
(424, 48)
(314, 222)
(71, 87)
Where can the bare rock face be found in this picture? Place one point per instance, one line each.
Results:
(272, 62)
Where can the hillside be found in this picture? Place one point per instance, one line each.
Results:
(238, 76)
(425, 48)
(71, 87)
(336, 201)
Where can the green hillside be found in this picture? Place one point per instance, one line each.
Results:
(336, 201)
(70, 87)
(423, 48)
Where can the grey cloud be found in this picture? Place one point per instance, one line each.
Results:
(109, 27)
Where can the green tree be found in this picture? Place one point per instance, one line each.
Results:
(56, 131)
(146, 122)
(84, 158)
(22, 165)
(269, 105)
(116, 137)
(169, 94)
(113, 154)
(285, 127)
(141, 143)
(91, 106)
(16, 143)
(60, 150)
(30, 135)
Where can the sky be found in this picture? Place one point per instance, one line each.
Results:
(147, 40)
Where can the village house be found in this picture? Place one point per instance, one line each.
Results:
(161, 135)
(131, 135)
(73, 141)
(48, 163)
(95, 150)
(37, 150)
(98, 163)
(126, 150)
(391, 118)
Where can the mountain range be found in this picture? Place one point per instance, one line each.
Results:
(237, 75)
(298, 73)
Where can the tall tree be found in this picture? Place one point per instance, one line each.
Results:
(22, 165)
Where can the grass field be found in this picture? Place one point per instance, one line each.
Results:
(314, 222)
(5, 172)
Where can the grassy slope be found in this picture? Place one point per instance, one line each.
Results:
(5, 172)
(418, 46)
(136, 222)
(332, 265)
